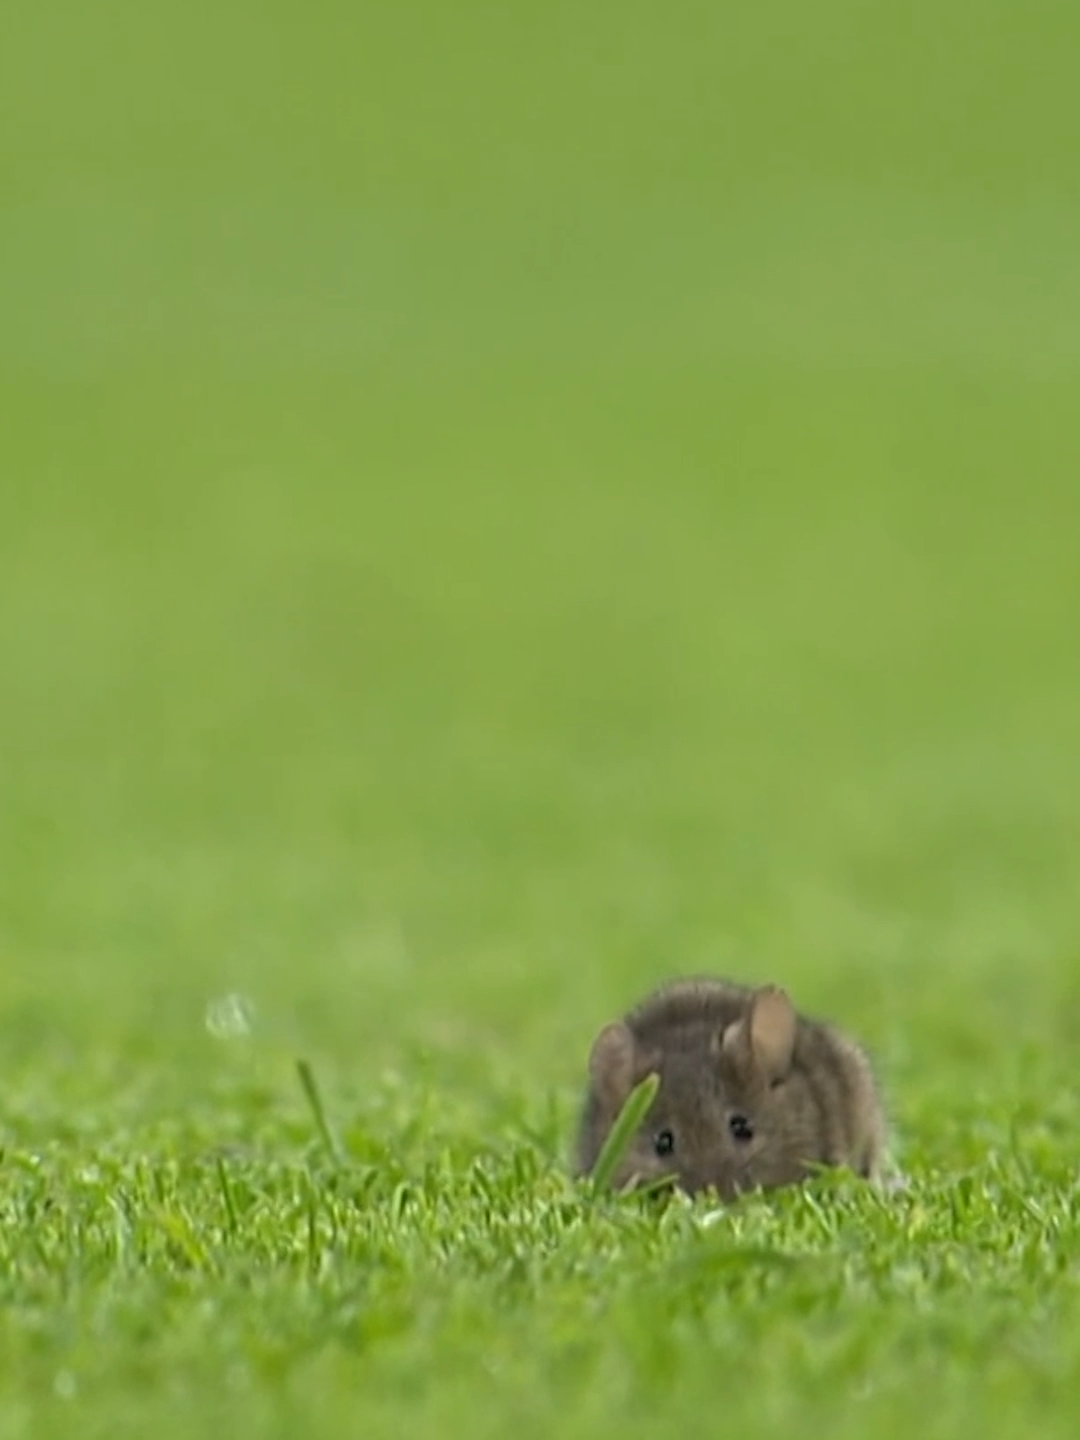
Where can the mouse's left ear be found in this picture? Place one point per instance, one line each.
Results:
(772, 1032)
(763, 1041)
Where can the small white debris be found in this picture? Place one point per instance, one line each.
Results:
(712, 1217)
(230, 1017)
(65, 1385)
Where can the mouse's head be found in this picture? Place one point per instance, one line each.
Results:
(732, 1112)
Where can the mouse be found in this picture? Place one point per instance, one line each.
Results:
(752, 1094)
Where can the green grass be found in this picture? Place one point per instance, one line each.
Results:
(498, 509)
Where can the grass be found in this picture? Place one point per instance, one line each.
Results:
(497, 510)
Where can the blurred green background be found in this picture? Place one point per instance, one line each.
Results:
(500, 504)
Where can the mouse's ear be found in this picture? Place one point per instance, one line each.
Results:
(611, 1064)
(772, 1025)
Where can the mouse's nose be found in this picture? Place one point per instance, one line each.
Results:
(710, 1178)
(697, 1180)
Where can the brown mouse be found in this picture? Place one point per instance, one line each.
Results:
(752, 1095)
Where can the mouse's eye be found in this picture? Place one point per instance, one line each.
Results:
(741, 1128)
(664, 1142)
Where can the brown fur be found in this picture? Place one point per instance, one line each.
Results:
(722, 1050)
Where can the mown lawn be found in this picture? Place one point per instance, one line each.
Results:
(497, 509)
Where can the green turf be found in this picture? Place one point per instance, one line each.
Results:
(500, 505)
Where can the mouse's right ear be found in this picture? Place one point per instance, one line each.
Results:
(611, 1064)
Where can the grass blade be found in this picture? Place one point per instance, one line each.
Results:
(633, 1112)
(314, 1099)
(660, 1186)
(226, 1195)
